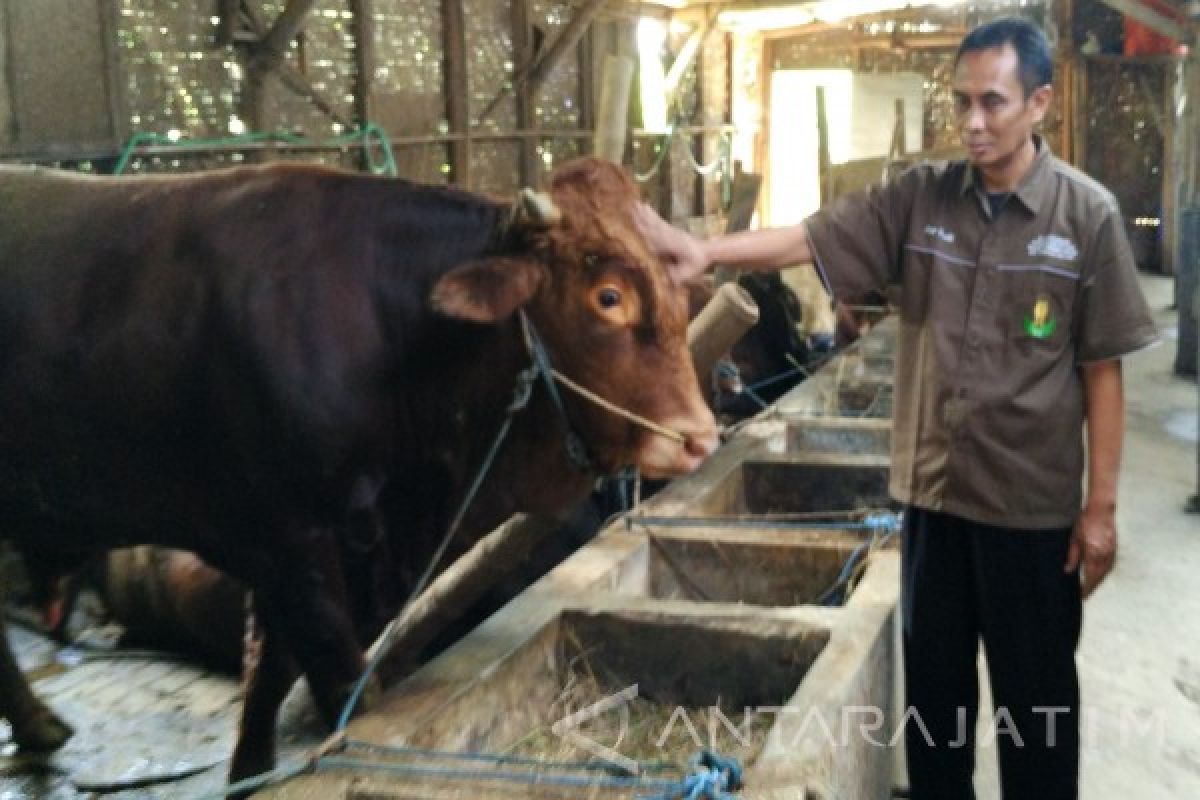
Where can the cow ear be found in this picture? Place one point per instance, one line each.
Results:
(487, 290)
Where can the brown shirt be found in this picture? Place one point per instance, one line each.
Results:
(996, 317)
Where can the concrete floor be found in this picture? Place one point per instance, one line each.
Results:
(1139, 660)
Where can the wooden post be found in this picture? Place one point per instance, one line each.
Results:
(522, 40)
(364, 59)
(587, 81)
(1173, 160)
(612, 120)
(725, 319)
(455, 90)
(458, 586)
(823, 161)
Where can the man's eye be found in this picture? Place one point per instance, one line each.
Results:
(608, 297)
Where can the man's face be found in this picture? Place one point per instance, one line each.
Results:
(995, 119)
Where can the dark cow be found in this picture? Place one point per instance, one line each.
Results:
(237, 363)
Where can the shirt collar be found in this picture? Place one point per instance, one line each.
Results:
(1032, 189)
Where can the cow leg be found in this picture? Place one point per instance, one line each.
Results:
(267, 681)
(35, 728)
(310, 608)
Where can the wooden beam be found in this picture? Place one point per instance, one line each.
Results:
(227, 14)
(522, 42)
(454, 33)
(273, 46)
(566, 40)
(1152, 19)
(544, 63)
(364, 59)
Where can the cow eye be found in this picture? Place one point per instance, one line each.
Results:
(591, 260)
(609, 297)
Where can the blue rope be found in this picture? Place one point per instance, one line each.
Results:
(743, 522)
(576, 450)
(711, 775)
(885, 526)
(599, 766)
(262, 780)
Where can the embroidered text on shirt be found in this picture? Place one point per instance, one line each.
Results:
(1053, 246)
(939, 232)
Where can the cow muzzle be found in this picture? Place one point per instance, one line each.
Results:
(662, 457)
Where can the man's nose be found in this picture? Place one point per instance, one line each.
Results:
(973, 119)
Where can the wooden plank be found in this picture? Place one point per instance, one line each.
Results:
(454, 33)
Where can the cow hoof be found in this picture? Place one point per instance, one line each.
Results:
(41, 732)
(250, 763)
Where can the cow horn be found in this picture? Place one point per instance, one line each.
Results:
(539, 208)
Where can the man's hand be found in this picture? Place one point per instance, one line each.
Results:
(1094, 544)
(683, 254)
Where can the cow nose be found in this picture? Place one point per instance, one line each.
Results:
(702, 443)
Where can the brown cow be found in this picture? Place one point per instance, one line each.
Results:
(236, 363)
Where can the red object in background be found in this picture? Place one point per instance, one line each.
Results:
(1142, 40)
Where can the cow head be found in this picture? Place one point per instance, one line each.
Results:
(607, 311)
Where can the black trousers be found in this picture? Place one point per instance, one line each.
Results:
(963, 581)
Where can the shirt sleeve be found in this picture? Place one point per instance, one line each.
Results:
(1114, 319)
(856, 241)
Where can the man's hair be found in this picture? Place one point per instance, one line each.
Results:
(1035, 64)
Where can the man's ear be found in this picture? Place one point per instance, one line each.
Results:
(1041, 98)
(487, 290)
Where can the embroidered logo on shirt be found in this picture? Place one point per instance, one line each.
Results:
(940, 232)
(1039, 322)
(1053, 246)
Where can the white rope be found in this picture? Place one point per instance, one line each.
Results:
(615, 409)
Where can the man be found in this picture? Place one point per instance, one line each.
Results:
(1018, 296)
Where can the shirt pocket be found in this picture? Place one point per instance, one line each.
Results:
(1039, 306)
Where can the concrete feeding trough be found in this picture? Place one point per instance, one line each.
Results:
(752, 584)
(807, 482)
(840, 435)
(769, 568)
(654, 660)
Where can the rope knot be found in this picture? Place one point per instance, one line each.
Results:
(523, 389)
